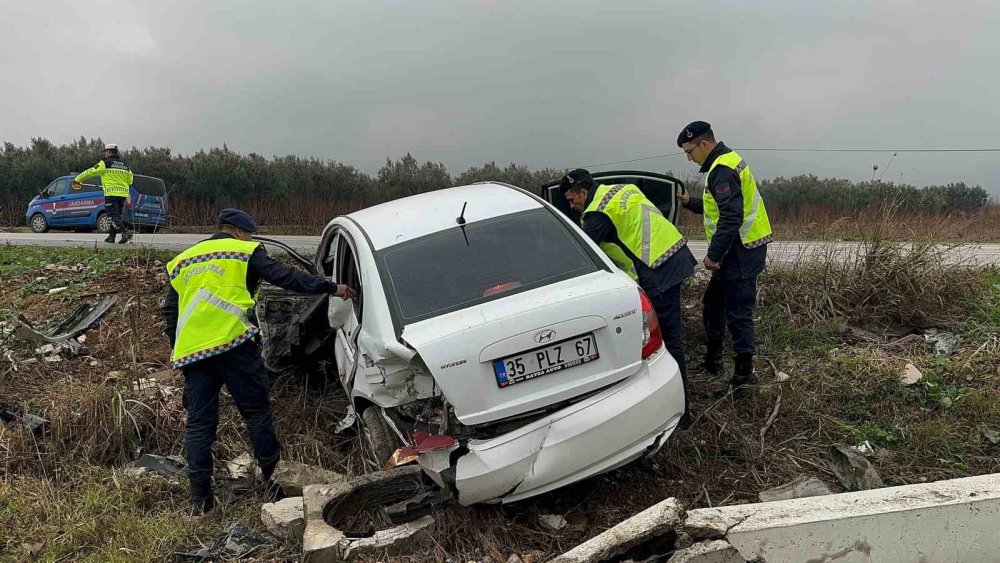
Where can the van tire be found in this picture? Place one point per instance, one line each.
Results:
(379, 435)
(38, 223)
(103, 224)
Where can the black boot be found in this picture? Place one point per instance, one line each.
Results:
(126, 236)
(111, 236)
(744, 378)
(713, 358)
(202, 499)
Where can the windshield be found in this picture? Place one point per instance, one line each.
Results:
(147, 185)
(440, 273)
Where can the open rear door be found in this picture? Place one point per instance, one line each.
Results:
(661, 189)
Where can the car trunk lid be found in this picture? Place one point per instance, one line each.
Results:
(593, 321)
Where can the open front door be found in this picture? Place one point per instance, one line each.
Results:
(661, 189)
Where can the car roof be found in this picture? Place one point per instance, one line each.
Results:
(412, 217)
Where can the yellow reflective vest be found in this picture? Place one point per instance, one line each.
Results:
(640, 225)
(756, 228)
(213, 300)
(116, 176)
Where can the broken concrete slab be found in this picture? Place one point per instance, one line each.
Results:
(803, 486)
(294, 477)
(852, 469)
(946, 521)
(714, 551)
(284, 518)
(657, 522)
(322, 542)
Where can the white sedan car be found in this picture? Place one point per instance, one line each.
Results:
(494, 343)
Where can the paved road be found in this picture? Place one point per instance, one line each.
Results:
(779, 252)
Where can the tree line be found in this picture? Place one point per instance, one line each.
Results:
(296, 190)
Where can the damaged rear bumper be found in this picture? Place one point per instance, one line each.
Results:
(595, 435)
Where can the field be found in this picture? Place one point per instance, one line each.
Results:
(839, 334)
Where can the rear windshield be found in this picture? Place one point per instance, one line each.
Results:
(147, 185)
(443, 272)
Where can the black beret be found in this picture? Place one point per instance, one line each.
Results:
(692, 131)
(237, 218)
(578, 176)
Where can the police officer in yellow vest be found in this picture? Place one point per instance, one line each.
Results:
(116, 179)
(738, 232)
(212, 288)
(642, 243)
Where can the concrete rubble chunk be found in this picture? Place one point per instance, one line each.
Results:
(803, 486)
(552, 521)
(656, 522)
(714, 551)
(151, 389)
(294, 477)
(944, 342)
(322, 543)
(911, 375)
(852, 469)
(708, 524)
(284, 518)
(242, 467)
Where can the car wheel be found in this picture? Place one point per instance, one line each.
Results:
(103, 223)
(38, 223)
(379, 435)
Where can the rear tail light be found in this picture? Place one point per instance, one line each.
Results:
(652, 340)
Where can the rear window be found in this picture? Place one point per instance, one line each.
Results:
(147, 185)
(440, 273)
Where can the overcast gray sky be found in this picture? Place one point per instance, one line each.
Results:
(542, 83)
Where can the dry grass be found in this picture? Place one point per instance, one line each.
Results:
(66, 490)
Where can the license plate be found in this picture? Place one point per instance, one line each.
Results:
(543, 361)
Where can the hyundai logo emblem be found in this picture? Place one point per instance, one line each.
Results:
(544, 336)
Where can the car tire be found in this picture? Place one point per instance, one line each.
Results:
(381, 438)
(38, 223)
(103, 223)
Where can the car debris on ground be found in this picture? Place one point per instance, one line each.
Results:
(237, 542)
(852, 469)
(148, 463)
(35, 424)
(65, 333)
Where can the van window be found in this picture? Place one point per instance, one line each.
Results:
(60, 187)
(147, 185)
